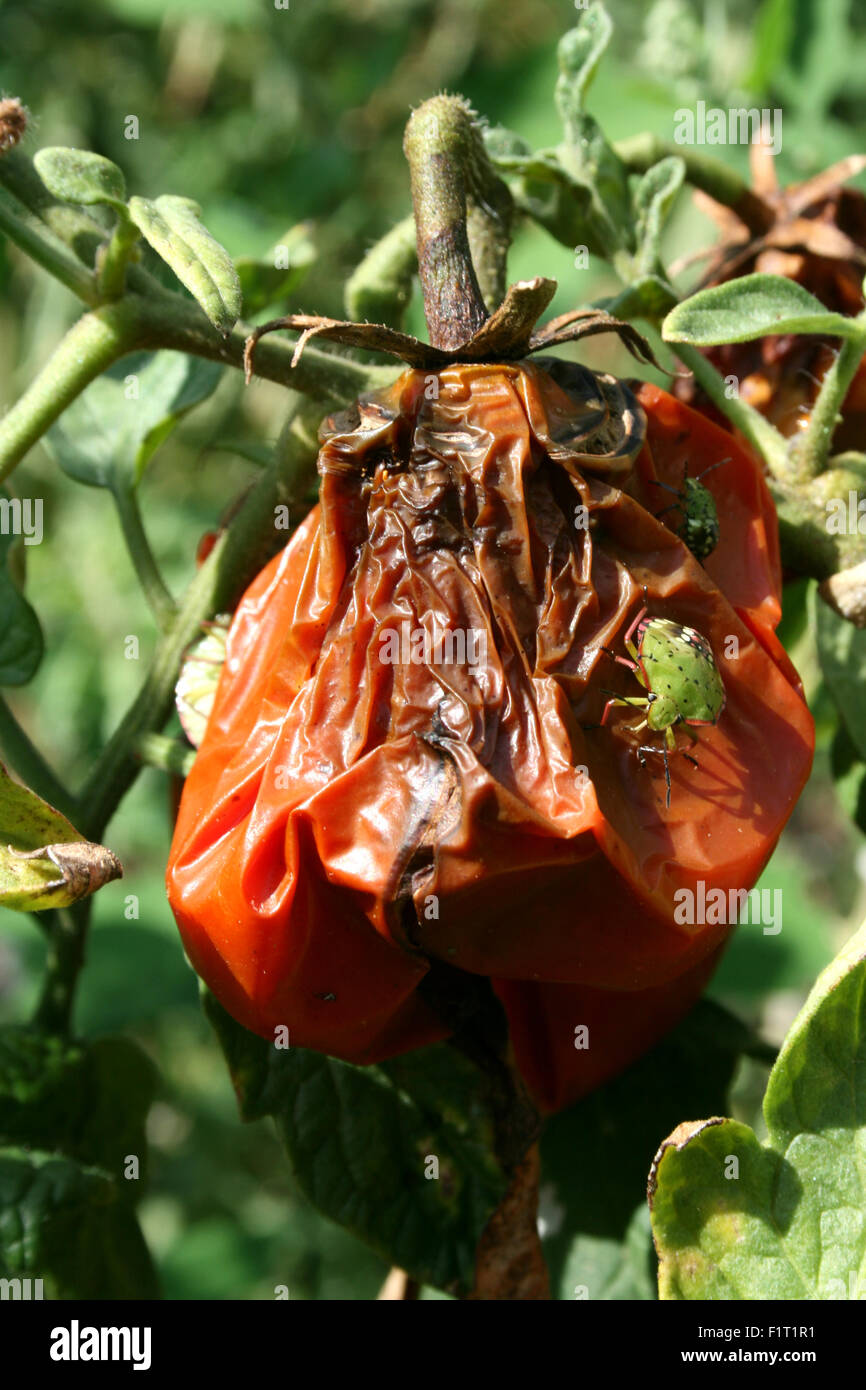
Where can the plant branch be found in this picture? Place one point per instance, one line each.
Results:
(161, 603)
(171, 321)
(380, 286)
(94, 343)
(752, 425)
(66, 930)
(166, 754)
(104, 335)
(47, 250)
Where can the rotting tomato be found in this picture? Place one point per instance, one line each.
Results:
(351, 818)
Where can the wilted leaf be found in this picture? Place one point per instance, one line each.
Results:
(43, 860)
(172, 227)
(653, 200)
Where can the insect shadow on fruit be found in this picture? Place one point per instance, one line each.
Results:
(699, 528)
(676, 667)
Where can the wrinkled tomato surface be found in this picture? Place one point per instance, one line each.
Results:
(360, 808)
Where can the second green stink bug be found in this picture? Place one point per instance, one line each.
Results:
(699, 528)
(676, 667)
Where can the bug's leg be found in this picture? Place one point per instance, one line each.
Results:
(648, 748)
(674, 507)
(667, 779)
(619, 700)
(623, 660)
(627, 642)
(689, 759)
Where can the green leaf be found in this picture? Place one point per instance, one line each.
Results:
(78, 176)
(735, 1219)
(108, 435)
(595, 1156)
(72, 1115)
(752, 307)
(21, 641)
(552, 196)
(842, 654)
(44, 863)
(653, 199)
(62, 1221)
(586, 155)
(358, 1139)
(267, 281)
(172, 227)
(88, 1101)
(580, 52)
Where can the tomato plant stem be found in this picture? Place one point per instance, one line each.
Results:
(763, 436)
(811, 450)
(451, 179)
(153, 586)
(96, 341)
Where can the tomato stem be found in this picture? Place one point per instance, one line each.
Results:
(458, 200)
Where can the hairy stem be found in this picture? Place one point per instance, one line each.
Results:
(811, 450)
(136, 321)
(47, 250)
(166, 754)
(451, 174)
(763, 436)
(94, 343)
(379, 288)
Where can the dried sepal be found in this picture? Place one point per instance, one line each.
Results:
(508, 335)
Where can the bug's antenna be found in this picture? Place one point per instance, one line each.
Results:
(710, 469)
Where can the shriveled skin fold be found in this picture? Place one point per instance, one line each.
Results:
(352, 814)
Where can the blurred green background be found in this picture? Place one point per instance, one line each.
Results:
(270, 117)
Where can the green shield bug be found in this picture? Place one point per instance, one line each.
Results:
(699, 527)
(676, 667)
